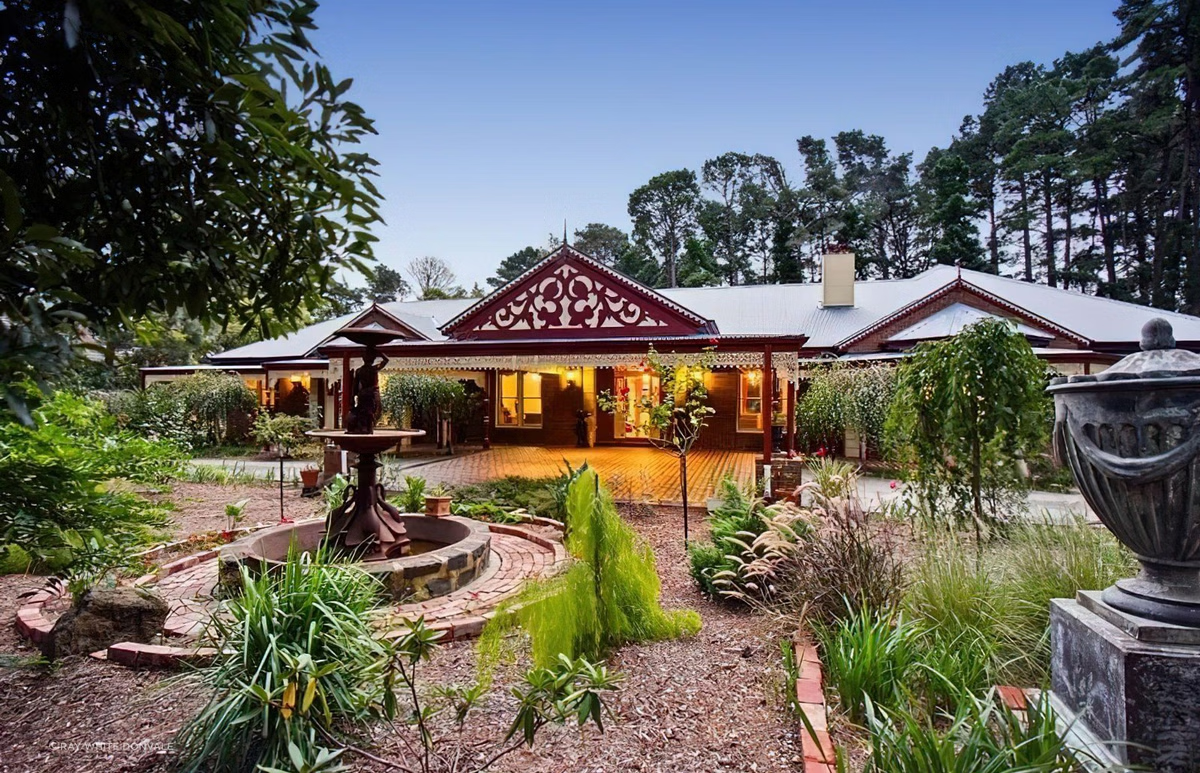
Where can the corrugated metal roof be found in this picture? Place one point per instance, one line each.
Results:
(951, 320)
(796, 309)
(793, 310)
(423, 316)
(1102, 320)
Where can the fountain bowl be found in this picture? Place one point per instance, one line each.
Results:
(447, 553)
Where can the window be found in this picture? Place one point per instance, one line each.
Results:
(520, 399)
(750, 401)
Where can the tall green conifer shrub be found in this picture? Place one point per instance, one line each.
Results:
(609, 597)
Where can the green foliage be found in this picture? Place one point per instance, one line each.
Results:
(334, 493)
(1044, 563)
(201, 160)
(737, 521)
(419, 399)
(706, 561)
(63, 474)
(834, 479)
(14, 559)
(994, 609)
(96, 559)
(297, 662)
(412, 498)
(567, 689)
(538, 496)
(819, 560)
(516, 264)
(486, 511)
(234, 513)
(867, 659)
(607, 598)
(281, 430)
(199, 409)
(981, 736)
(664, 212)
(967, 409)
(841, 397)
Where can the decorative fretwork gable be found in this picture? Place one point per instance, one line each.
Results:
(569, 295)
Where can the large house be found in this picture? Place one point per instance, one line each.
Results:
(544, 345)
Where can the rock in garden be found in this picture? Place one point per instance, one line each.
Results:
(106, 616)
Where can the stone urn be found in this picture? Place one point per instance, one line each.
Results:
(1131, 436)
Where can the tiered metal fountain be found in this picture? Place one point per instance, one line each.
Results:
(365, 523)
(415, 556)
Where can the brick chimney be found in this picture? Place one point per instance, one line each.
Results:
(837, 279)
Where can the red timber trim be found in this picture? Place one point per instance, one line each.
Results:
(344, 391)
(572, 347)
(571, 295)
(378, 314)
(790, 446)
(960, 285)
(768, 408)
(489, 399)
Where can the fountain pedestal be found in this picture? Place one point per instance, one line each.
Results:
(365, 523)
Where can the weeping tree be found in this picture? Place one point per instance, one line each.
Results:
(427, 399)
(677, 412)
(967, 411)
(211, 400)
(841, 397)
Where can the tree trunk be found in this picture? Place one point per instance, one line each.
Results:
(683, 492)
(1026, 237)
(993, 234)
(1068, 235)
(1106, 238)
(1048, 214)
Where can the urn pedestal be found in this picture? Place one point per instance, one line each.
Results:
(1126, 661)
(1126, 689)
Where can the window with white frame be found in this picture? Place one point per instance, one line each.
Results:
(520, 399)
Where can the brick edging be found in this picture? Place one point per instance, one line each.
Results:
(34, 626)
(816, 745)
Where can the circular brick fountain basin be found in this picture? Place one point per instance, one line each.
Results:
(448, 553)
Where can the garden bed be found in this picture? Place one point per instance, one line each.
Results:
(712, 702)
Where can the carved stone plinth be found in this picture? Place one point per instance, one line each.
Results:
(1126, 687)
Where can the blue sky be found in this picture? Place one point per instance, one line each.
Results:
(497, 120)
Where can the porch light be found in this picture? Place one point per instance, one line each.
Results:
(754, 377)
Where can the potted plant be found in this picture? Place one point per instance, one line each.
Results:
(437, 502)
(309, 476)
(234, 513)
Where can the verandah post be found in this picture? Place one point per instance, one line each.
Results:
(768, 418)
(790, 447)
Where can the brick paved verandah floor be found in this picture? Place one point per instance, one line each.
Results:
(636, 473)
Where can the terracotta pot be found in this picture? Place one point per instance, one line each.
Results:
(437, 506)
(309, 478)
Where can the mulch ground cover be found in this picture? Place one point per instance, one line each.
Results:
(708, 703)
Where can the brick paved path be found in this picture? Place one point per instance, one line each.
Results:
(633, 474)
(514, 559)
